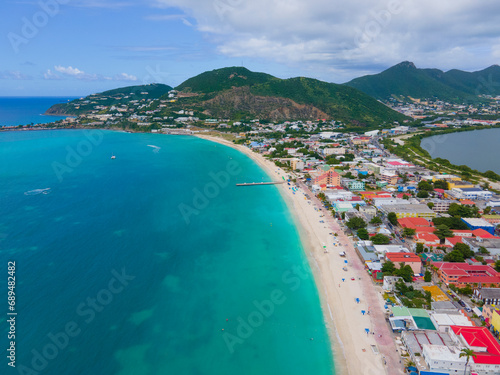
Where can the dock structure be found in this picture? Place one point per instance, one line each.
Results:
(261, 183)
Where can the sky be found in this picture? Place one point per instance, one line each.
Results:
(79, 47)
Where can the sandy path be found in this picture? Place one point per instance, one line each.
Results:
(351, 345)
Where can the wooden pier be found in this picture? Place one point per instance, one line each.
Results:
(261, 183)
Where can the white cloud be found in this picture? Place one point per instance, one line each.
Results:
(75, 73)
(69, 70)
(125, 77)
(50, 75)
(340, 39)
(14, 75)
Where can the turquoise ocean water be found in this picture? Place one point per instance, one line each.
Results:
(122, 268)
(26, 110)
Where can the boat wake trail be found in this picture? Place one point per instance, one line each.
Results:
(156, 149)
(37, 191)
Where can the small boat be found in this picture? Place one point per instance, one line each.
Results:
(113, 157)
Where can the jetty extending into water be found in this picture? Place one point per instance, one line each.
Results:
(260, 183)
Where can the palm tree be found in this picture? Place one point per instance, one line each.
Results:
(467, 353)
(409, 363)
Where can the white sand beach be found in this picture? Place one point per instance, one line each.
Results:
(355, 351)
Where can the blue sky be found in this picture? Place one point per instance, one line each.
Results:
(77, 47)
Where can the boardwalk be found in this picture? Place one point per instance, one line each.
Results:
(261, 183)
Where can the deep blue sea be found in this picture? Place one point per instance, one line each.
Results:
(153, 262)
(26, 110)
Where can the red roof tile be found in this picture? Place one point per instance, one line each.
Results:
(482, 338)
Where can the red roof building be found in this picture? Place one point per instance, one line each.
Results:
(463, 274)
(414, 222)
(411, 259)
(467, 202)
(452, 241)
(481, 233)
(485, 347)
(462, 232)
(428, 239)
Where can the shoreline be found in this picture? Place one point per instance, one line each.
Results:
(351, 346)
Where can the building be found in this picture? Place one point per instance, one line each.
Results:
(330, 178)
(490, 244)
(296, 164)
(441, 358)
(427, 239)
(354, 185)
(387, 200)
(487, 313)
(475, 223)
(334, 151)
(445, 177)
(459, 184)
(389, 283)
(414, 342)
(411, 259)
(360, 140)
(463, 274)
(368, 210)
(389, 177)
(409, 210)
(440, 205)
(414, 222)
(338, 195)
(471, 193)
(492, 219)
(489, 296)
(342, 206)
(444, 321)
(484, 345)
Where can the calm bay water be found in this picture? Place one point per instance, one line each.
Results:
(26, 110)
(141, 273)
(479, 149)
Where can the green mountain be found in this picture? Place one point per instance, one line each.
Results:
(223, 79)
(239, 93)
(405, 79)
(116, 97)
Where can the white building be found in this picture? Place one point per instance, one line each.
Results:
(441, 358)
(471, 193)
(334, 151)
(339, 195)
(377, 202)
(390, 283)
(443, 322)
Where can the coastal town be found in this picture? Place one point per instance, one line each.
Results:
(428, 242)
(411, 246)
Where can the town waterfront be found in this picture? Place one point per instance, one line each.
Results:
(155, 259)
(478, 149)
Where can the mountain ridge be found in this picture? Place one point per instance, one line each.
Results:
(240, 94)
(405, 79)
